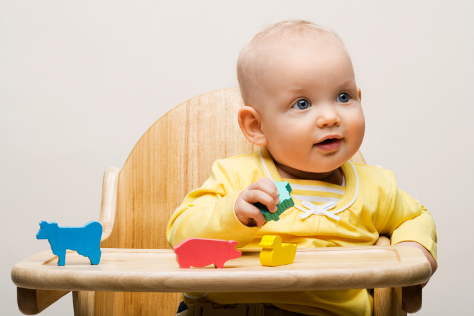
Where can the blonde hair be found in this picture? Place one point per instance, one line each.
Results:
(249, 57)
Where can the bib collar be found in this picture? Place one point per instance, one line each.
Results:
(350, 175)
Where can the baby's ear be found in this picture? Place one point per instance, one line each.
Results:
(250, 124)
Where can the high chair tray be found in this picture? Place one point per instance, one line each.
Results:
(156, 270)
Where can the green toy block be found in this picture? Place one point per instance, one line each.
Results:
(286, 201)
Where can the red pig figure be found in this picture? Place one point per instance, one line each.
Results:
(200, 252)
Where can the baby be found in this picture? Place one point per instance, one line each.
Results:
(303, 107)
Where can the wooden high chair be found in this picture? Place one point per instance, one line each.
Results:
(172, 158)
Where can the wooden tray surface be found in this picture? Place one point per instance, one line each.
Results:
(156, 270)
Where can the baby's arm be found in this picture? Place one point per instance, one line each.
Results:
(208, 212)
(419, 231)
(408, 223)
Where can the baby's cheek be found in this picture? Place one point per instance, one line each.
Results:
(360, 130)
(359, 120)
(354, 126)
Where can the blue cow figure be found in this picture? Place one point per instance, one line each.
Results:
(85, 240)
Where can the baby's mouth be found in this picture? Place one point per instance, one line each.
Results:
(329, 144)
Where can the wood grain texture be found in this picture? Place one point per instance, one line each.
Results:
(386, 303)
(109, 201)
(411, 298)
(84, 303)
(396, 301)
(156, 270)
(33, 301)
(172, 158)
(386, 300)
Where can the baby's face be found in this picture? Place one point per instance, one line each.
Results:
(309, 106)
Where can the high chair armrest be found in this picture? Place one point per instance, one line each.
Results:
(109, 201)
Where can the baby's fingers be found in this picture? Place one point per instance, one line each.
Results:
(254, 196)
(250, 215)
(267, 186)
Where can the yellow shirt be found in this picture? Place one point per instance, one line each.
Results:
(371, 205)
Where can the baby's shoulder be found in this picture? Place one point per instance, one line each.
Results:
(240, 160)
(374, 175)
(242, 170)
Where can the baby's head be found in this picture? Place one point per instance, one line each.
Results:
(301, 99)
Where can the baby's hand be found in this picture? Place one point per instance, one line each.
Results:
(263, 191)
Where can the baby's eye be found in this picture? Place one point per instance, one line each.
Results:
(343, 98)
(301, 104)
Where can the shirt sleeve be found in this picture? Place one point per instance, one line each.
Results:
(208, 212)
(408, 220)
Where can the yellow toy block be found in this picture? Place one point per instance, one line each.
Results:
(275, 253)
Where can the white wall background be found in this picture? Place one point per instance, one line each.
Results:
(81, 81)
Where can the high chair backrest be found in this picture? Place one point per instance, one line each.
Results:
(172, 158)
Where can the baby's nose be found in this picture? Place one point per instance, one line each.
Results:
(328, 116)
